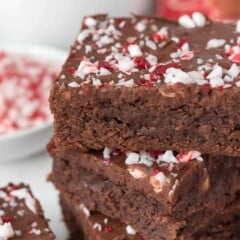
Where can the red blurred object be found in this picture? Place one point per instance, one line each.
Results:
(215, 9)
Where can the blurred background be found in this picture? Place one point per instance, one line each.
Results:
(57, 22)
(43, 30)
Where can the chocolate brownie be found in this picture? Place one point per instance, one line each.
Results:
(149, 83)
(162, 194)
(21, 216)
(80, 219)
(166, 176)
(94, 226)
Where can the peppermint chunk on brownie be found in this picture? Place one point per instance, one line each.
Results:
(21, 216)
(147, 83)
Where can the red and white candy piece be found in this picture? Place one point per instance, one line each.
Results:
(24, 87)
(85, 67)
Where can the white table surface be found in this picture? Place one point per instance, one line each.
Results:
(34, 171)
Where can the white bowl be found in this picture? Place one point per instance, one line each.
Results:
(24, 143)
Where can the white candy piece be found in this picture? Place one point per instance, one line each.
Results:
(238, 26)
(6, 231)
(217, 72)
(186, 22)
(96, 82)
(215, 43)
(136, 173)
(216, 82)
(29, 200)
(134, 50)
(130, 230)
(125, 64)
(97, 226)
(74, 84)
(167, 157)
(90, 22)
(107, 153)
(132, 158)
(234, 70)
(104, 72)
(175, 75)
(146, 159)
(83, 35)
(158, 181)
(85, 210)
(140, 26)
(199, 19)
(85, 67)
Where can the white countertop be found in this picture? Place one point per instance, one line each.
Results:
(34, 171)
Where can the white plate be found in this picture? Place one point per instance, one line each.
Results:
(23, 143)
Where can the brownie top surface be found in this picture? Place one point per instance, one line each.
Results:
(21, 215)
(150, 52)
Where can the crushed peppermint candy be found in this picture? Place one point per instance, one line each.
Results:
(134, 50)
(215, 43)
(85, 210)
(197, 20)
(97, 226)
(130, 230)
(158, 181)
(24, 90)
(6, 231)
(110, 55)
(86, 67)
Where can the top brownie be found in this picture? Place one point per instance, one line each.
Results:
(148, 83)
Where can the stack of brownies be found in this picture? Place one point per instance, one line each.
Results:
(146, 138)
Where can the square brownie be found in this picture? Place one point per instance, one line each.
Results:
(149, 83)
(163, 195)
(21, 216)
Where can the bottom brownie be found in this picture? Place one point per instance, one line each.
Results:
(130, 213)
(86, 225)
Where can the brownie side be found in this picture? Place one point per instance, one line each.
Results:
(95, 226)
(21, 216)
(136, 119)
(181, 184)
(96, 103)
(225, 227)
(142, 212)
(76, 230)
